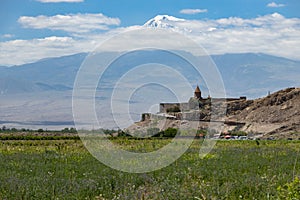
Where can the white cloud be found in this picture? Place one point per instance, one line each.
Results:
(271, 34)
(7, 36)
(193, 11)
(16, 52)
(24, 51)
(60, 1)
(275, 5)
(72, 23)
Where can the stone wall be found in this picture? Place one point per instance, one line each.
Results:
(166, 107)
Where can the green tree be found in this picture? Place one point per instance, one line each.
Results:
(40, 130)
(170, 132)
(65, 130)
(3, 128)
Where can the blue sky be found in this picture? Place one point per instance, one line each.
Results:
(26, 20)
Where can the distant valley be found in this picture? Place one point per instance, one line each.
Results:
(40, 94)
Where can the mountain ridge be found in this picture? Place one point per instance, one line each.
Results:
(240, 67)
(25, 88)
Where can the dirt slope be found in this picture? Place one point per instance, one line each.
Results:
(277, 114)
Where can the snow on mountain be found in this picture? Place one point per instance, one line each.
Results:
(166, 22)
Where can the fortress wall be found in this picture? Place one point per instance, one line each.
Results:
(184, 106)
(163, 107)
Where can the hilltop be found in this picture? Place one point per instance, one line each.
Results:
(276, 115)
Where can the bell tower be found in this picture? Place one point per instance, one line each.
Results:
(197, 93)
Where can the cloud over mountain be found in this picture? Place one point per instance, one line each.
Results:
(272, 34)
(266, 34)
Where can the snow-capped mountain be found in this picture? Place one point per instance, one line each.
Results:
(166, 22)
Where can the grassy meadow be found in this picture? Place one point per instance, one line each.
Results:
(61, 168)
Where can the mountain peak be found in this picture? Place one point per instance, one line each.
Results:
(162, 21)
(167, 18)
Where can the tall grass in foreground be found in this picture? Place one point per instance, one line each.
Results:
(63, 169)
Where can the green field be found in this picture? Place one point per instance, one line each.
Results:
(61, 168)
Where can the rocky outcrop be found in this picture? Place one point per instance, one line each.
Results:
(278, 114)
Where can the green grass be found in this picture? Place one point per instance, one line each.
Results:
(64, 169)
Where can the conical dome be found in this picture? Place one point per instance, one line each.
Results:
(197, 93)
(197, 89)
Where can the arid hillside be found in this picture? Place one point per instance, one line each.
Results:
(276, 115)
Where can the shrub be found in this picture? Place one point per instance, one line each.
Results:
(123, 134)
(73, 130)
(239, 133)
(65, 130)
(290, 190)
(170, 132)
(14, 130)
(201, 133)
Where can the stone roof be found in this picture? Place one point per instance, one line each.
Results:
(197, 90)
